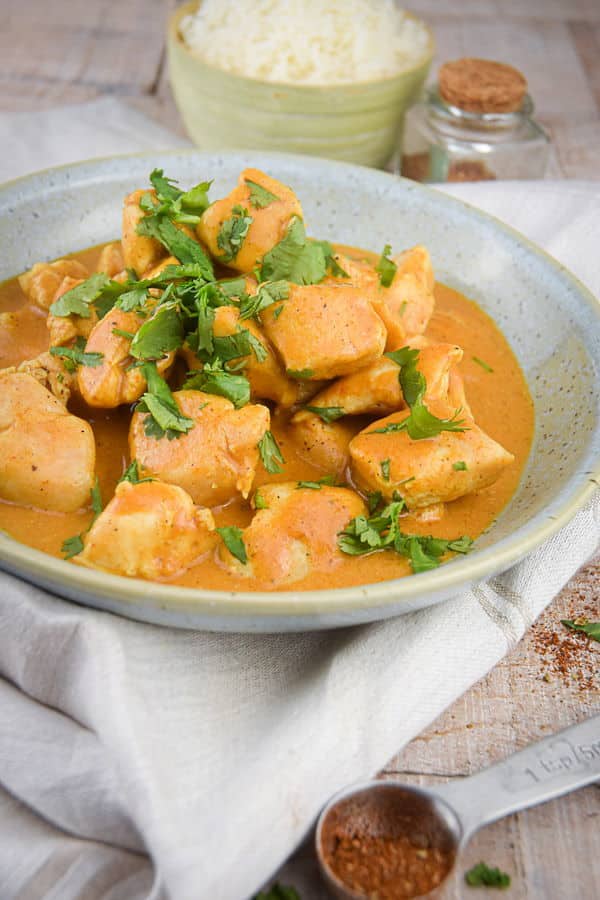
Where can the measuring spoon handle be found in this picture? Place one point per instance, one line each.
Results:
(549, 768)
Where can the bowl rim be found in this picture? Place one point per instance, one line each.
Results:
(384, 596)
(176, 40)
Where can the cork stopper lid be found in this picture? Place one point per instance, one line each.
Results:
(482, 85)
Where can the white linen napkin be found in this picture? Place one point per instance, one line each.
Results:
(139, 762)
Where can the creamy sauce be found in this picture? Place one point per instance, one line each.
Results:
(500, 402)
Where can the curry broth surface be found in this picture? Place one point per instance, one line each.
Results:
(500, 402)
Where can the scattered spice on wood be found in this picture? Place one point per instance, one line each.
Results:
(569, 654)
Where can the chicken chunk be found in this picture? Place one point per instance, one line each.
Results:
(47, 455)
(114, 381)
(324, 330)
(43, 280)
(267, 377)
(270, 219)
(140, 253)
(150, 530)
(216, 460)
(50, 373)
(65, 329)
(322, 444)
(296, 534)
(432, 470)
(111, 260)
(359, 273)
(407, 305)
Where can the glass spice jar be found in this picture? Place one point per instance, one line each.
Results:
(475, 124)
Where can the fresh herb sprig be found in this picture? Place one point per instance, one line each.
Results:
(164, 416)
(270, 453)
(73, 546)
(482, 875)
(295, 258)
(386, 268)
(233, 233)
(75, 356)
(582, 625)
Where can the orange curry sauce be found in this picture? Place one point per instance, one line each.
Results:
(500, 402)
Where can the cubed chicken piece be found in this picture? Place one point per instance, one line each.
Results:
(322, 444)
(111, 260)
(47, 455)
(423, 471)
(149, 530)
(116, 380)
(407, 305)
(267, 377)
(359, 273)
(65, 329)
(296, 534)
(43, 280)
(324, 330)
(216, 460)
(140, 253)
(269, 219)
(50, 373)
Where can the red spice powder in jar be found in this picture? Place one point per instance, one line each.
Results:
(380, 847)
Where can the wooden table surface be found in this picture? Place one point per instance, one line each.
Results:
(68, 51)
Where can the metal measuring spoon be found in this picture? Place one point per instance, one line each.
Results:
(447, 816)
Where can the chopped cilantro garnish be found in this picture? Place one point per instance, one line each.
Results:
(385, 469)
(260, 197)
(381, 531)
(374, 500)
(96, 499)
(233, 538)
(278, 892)
(215, 379)
(132, 474)
(134, 299)
(317, 485)
(295, 258)
(482, 363)
(184, 207)
(420, 424)
(482, 875)
(592, 629)
(271, 455)
(72, 546)
(386, 268)
(330, 261)
(328, 414)
(76, 356)
(259, 501)
(301, 374)
(120, 332)
(159, 335)
(233, 232)
(165, 417)
(267, 294)
(186, 249)
(98, 290)
(460, 466)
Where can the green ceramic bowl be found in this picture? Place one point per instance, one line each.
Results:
(358, 123)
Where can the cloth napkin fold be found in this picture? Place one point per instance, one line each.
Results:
(145, 763)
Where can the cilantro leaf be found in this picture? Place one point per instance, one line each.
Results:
(76, 356)
(134, 299)
(420, 423)
(592, 629)
(98, 289)
(96, 499)
(294, 258)
(480, 362)
(381, 531)
(331, 263)
(185, 207)
(278, 892)
(165, 416)
(374, 500)
(328, 480)
(184, 248)
(233, 232)
(385, 469)
(268, 293)
(328, 414)
(260, 197)
(460, 466)
(215, 379)
(72, 546)
(132, 474)
(482, 875)
(270, 454)
(386, 268)
(259, 501)
(233, 538)
(159, 335)
(301, 374)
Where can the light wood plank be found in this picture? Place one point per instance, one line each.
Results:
(497, 11)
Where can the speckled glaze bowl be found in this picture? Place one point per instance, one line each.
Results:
(550, 319)
(358, 123)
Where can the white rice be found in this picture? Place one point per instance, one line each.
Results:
(305, 41)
